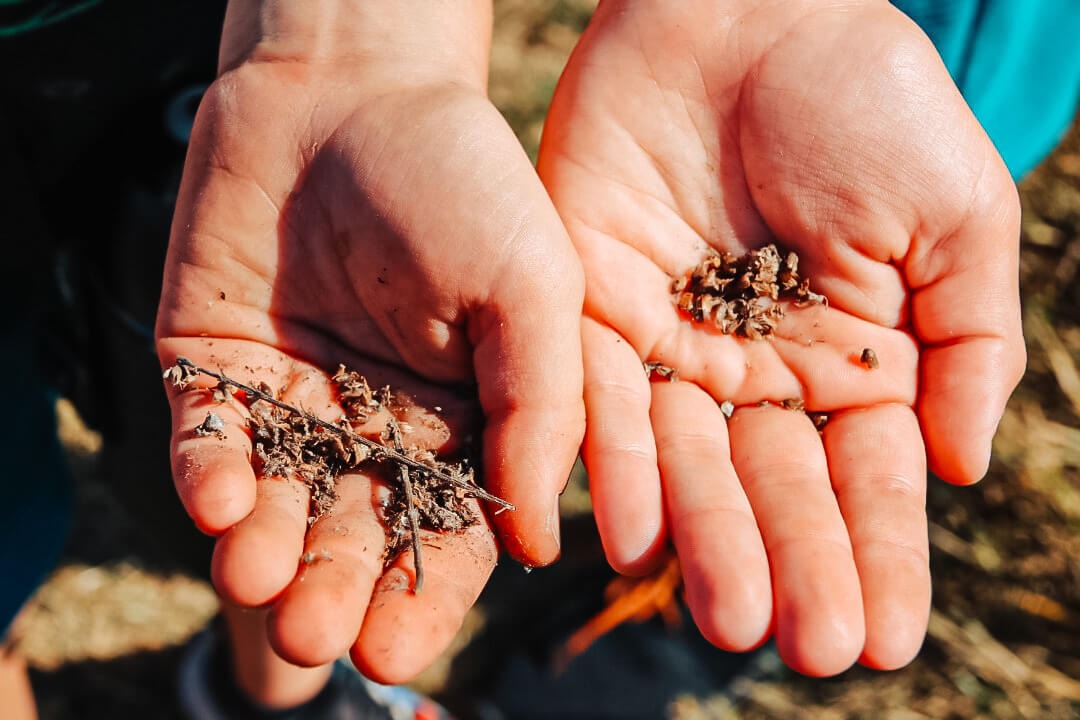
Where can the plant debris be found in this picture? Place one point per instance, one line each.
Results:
(660, 370)
(741, 294)
(425, 492)
(744, 295)
(628, 599)
(819, 419)
(212, 425)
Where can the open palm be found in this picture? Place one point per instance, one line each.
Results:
(833, 130)
(395, 225)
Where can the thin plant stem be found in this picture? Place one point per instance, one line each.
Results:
(410, 508)
(378, 451)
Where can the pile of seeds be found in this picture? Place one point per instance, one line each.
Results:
(740, 294)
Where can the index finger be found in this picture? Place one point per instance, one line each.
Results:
(211, 448)
(529, 371)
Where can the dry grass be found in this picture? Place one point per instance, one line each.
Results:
(532, 40)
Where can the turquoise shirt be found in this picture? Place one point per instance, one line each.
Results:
(1017, 62)
(22, 16)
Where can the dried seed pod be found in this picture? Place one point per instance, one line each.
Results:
(661, 370)
(181, 374)
(212, 425)
(221, 392)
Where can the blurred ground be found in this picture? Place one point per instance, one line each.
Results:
(104, 634)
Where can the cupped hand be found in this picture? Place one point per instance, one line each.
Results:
(833, 130)
(380, 214)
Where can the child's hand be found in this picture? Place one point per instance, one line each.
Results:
(355, 198)
(834, 130)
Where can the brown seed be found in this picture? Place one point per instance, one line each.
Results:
(658, 369)
(869, 359)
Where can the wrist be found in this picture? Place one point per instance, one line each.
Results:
(429, 39)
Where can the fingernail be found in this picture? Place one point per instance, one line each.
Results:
(554, 522)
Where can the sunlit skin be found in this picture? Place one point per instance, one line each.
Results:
(351, 196)
(834, 130)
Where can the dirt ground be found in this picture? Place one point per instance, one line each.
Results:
(105, 633)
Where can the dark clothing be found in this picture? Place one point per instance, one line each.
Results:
(88, 173)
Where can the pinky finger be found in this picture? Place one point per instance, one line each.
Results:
(878, 469)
